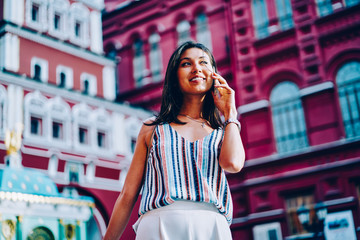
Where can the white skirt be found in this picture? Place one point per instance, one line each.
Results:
(183, 220)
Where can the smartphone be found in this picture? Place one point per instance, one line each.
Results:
(216, 91)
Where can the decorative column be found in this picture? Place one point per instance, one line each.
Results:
(18, 228)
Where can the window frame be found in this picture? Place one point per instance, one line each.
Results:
(289, 127)
(60, 8)
(35, 106)
(203, 33)
(347, 84)
(79, 14)
(44, 66)
(92, 83)
(59, 111)
(42, 24)
(155, 56)
(68, 71)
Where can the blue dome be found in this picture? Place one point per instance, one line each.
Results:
(27, 181)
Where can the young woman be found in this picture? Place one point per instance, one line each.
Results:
(181, 156)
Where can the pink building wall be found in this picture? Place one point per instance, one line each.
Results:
(308, 54)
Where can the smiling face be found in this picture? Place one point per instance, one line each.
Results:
(194, 72)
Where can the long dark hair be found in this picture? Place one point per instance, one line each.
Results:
(172, 97)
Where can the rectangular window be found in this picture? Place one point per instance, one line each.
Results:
(62, 82)
(86, 87)
(292, 204)
(37, 72)
(57, 21)
(36, 126)
(83, 135)
(74, 173)
(101, 140)
(35, 11)
(57, 130)
(77, 29)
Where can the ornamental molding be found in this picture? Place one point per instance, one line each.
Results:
(58, 45)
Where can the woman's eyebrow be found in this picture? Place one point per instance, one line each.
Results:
(188, 58)
(184, 58)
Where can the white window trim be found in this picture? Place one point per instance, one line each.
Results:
(82, 118)
(37, 111)
(203, 34)
(78, 12)
(92, 83)
(69, 76)
(59, 7)
(132, 126)
(59, 111)
(182, 27)
(260, 231)
(155, 58)
(103, 123)
(80, 172)
(42, 25)
(44, 68)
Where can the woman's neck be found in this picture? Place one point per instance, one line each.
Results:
(192, 107)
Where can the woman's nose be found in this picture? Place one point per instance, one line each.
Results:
(197, 68)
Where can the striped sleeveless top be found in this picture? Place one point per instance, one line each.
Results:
(179, 169)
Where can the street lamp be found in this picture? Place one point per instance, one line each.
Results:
(316, 225)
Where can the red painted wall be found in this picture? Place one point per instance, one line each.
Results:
(30, 49)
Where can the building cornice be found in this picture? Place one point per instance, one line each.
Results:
(316, 88)
(71, 96)
(253, 106)
(58, 45)
(303, 92)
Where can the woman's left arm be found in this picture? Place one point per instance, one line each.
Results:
(232, 155)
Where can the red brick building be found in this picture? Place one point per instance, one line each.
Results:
(295, 67)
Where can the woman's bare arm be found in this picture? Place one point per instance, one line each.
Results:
(133, 182)
(232, 155)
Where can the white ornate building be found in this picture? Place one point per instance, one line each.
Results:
(57, 87)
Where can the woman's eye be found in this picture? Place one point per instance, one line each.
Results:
(204, 62)
(185, 64)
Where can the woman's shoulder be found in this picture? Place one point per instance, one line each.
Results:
(147, 129)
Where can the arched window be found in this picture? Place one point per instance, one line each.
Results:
(284, 13)
(58, 13)
(348, 84)
(103, 128)
(59, 122)
(88, 84)
(203, 34)
(83, 127)
(64, 77)
(260, 18)
(79, 24)
(288, 117)
(35, 129)
(139, 63)
(183, 30)
(155, 57)
(36, 14)
(39, 69)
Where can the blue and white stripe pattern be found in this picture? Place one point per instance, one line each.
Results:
(179, 169)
